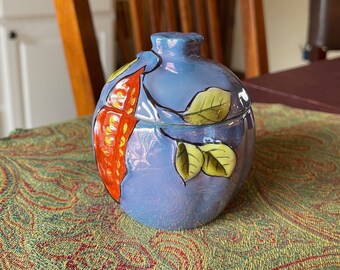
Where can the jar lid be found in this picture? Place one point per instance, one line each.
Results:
(173, 84)
(176, 43)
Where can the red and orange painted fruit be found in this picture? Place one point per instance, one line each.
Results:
(113, 127)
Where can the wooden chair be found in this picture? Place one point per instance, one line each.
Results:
(207, 17)
(254, 38)
(150, 16)
(81, 48)
(81, 51)
(323, 29)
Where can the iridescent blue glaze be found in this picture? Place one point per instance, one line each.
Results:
(191, 145)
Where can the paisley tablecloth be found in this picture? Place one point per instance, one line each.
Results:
(56, 214)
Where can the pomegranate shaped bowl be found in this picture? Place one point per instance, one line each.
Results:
(173, 135)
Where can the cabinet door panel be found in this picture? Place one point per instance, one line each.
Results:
(40, 74)
(35, 87)
(11, 103)
(47, 95)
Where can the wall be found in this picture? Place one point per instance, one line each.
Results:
(286, 25)
(34, 82)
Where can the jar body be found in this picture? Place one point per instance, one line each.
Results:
(182, 165)
(153, 192)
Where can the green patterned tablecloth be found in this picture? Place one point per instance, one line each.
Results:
(56, 214)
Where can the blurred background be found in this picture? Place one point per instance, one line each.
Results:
(35, 89)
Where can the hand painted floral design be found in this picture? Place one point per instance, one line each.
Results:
(113, 127)
(115, 123)
(215, 159)
(208, 107)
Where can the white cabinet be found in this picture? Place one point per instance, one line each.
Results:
(35, 88)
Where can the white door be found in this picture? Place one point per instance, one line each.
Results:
(37, 80)
(38, 76)
(35, 88)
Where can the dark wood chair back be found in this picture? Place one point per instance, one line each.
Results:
(323, 29)
(207, 17)
(81, 51)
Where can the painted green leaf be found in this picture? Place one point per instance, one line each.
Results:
(189, 160)
(208, 107)
(120, 71)
(219, 160)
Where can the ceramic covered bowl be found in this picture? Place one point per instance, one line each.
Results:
(173, 135)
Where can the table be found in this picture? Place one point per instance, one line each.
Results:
(56, 214)
(315, 87)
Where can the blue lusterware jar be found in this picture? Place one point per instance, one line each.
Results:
(173, 135)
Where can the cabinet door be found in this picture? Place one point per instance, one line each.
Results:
(40, 90)
(38, 75)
